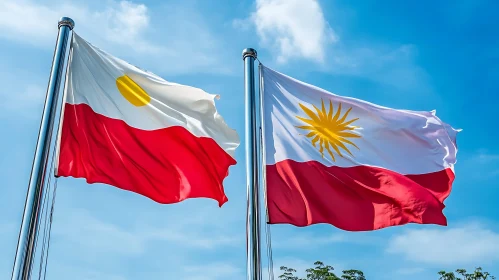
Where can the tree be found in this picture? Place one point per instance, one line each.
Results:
(353, 274)
(325, 272)
(288, 274)
(321, 272)
(478, 274)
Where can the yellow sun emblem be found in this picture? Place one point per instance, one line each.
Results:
(330, 131)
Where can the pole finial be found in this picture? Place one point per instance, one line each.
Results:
(66, 21)
(249, 52)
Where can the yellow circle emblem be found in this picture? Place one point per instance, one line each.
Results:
(132, 91)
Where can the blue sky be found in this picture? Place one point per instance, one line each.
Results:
(421, 55)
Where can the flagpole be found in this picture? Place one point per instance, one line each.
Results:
(253, 256)
(29, 227)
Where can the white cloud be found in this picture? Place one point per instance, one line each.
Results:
(293, 28)
(308, 241)
(298, 29)
(121, 22)
(172, 245)
(242, 24)
(21, 96)
(182, 44)
(390, 66)
(128, 20)
(25, 21)
(484, 157)
(193, 240)
(483, 160)
(465, 245)
(78, 228)
(312, 241)
(28, 99)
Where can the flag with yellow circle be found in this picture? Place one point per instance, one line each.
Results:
(129, 128)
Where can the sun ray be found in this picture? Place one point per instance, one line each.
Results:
(338, 112)
(314, 141)
(352, 127)
(324, 112)
(319, 112)
(339, 143)
(350, 142)
(310, 134)
(321, 145)
(307, 127)
(349, 122)
(329, 151)
(335, 143)
(329, 130)
(330, 115)
(348, 134)
(311, 122)
(310, 113)
(345, 115)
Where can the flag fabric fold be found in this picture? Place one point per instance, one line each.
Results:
(347, 162)
(131, 129)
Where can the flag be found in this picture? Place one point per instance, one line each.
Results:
(126, 127)
(349, 163)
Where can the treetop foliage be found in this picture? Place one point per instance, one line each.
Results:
(320, 271)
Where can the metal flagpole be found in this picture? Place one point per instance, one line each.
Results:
(253, 255)
(29, 227)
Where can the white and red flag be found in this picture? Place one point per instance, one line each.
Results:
(349, 163)
(131, 129)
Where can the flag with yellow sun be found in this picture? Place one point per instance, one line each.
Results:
(328, 132)
(350, 163)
